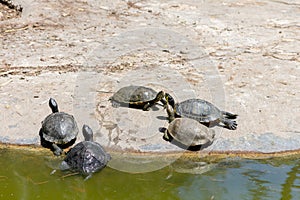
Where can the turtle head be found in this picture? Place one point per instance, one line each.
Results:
(160, 95)
(169, 106)
(170, 100)
(53, 105)
(87, 133)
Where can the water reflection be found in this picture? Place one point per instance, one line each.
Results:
(244, 180)
(292, 181)
(26, 175)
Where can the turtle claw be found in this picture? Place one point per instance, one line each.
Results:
(232, 125)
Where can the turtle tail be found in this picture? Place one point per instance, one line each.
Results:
(229, 115)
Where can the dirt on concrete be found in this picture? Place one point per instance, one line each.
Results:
(243, 56)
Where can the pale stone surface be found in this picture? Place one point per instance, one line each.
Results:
(80, 52)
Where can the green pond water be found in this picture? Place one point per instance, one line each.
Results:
(26, 175)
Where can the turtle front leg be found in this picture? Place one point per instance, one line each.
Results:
(56, 150)
(170, 111)
(147, 106)
(164, 102)
(88, 177)
(166, 136)
(158, 98)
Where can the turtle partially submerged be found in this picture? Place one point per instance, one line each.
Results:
(137, 97)
(86, 157)
(59, 130)
(202, 111)
(189, 133)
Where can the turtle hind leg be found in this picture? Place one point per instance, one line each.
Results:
(230, 124)
(229, 115)
(170, 111)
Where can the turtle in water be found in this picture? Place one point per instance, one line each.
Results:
(59, 130)
(137, 97)
(189, 133)
(86, 157)
(200, 110)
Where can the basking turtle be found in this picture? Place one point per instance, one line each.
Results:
(190, 133)
(59, 130)
(202, 111)
(86, 157)
(136, 96)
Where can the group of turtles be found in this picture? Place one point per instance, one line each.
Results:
(59, 131)
(186, 118)
(188, 126)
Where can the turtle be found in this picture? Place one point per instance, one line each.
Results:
(189, 133)
(202, 111)
(59, 130)
(86, 157)
(137, 97)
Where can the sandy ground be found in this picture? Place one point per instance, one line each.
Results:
(241, 55)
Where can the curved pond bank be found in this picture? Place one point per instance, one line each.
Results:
(204, 155)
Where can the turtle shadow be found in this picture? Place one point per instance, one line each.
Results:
(180, 145)
(219, 124)
(137, 107)
(164, 118)
(207, 124)
(48, 145)
(212, 125)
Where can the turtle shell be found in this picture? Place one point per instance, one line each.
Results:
(87, 157)
(190, 132)
(59, 128)
(200, 110)
(134, 95)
